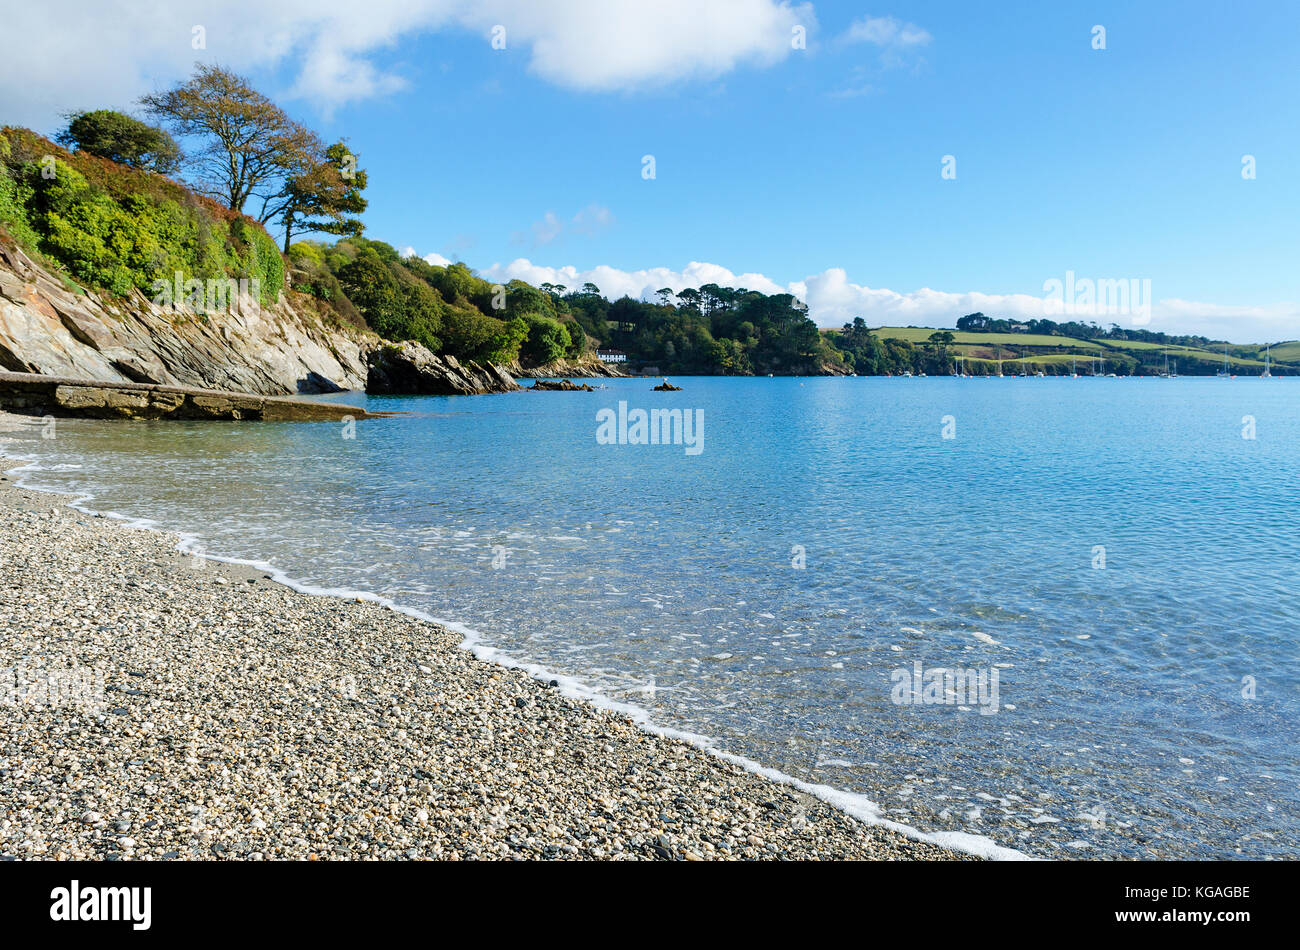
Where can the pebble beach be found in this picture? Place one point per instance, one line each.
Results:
(158, 706)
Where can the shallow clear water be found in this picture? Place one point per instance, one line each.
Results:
(666, 579)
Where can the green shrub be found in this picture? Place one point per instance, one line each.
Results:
(123, 139)
(14, 196)
(123, 229)
(301, 251)
(471, 335)
(548, 339)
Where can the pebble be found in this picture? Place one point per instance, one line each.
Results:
(257, 723)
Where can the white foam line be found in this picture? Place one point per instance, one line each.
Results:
(851, 803)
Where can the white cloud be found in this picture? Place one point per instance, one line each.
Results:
(432, 257)
(592, 220)
(546, 230)
(834, 300)
(899, 44)
(94, 53)
(886, 31)
(588, 222)
(641, 284)
(598, 44)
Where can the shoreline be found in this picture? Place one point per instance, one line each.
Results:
(243, 719)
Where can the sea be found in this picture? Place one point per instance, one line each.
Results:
(1052, 617)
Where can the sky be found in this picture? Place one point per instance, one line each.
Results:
(907, 163)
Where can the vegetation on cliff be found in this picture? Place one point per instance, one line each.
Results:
(119, 228)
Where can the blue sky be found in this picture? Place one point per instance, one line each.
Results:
(813, 169)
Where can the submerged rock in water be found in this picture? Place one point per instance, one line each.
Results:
(667, 387)
(563, 385)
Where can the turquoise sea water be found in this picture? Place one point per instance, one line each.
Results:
(1115, 550)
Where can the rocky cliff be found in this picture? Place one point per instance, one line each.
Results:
(411, 369)
(50, 326)
(588, 367)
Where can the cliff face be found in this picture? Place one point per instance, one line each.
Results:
(48, 328)
(587, 367)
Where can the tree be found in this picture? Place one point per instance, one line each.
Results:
(322, 198)
(122, 139)
(940, 341)
(247, 144)
(523, 299)
(548, 340)
(373, 288)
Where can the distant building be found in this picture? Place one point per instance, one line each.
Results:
(612, 356)
(1019, 327)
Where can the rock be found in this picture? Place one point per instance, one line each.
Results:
(587, 367)
(281, 349)
(410, 369)
(315, 384)
(34, 392)
(563, 385)
(667, 387)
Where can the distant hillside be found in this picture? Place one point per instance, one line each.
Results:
(981, 353)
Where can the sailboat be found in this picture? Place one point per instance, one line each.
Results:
(1267, 362)
(1074, 368)
(1165, 374)
(1223, 373)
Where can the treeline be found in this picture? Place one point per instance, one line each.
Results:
(448, 309)
(711, 330)
(979, 323)
(869, 355)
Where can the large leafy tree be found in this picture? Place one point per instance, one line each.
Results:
(322, 198)
(122, 139)
(245, 143)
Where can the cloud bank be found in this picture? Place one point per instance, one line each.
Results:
(834, 300)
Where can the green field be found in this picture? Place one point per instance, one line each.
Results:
(1194, 353)
(1134, 345)
(977, 347)
(1286, 352)
(1009, 340)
